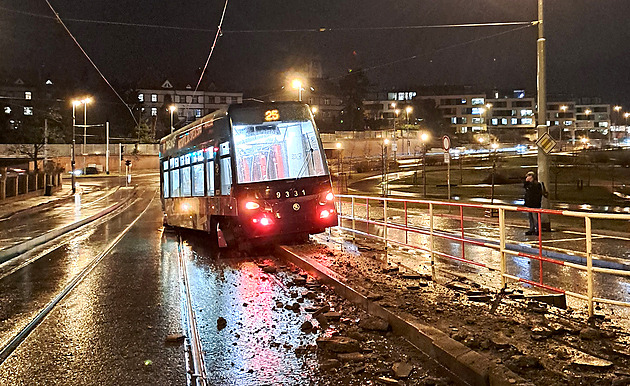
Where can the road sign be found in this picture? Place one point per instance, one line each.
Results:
(394, 146)
(446, 143)
(447, 158)
(546, 143)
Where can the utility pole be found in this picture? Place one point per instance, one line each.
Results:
(543, 161)
(107, 147)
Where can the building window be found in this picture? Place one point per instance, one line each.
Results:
(495, 121)
(527, 113)
(228, 100)
(463, 101)
(504, 121)
(453, 119)
(514, 121)
(7, 110)
(200, 99)
(154, 111)
(527, 121)
(140, 97)
(28, 110)
(197, 113)
(28, 95)
(176, 98)
(222, 99)
(188, 98)
(568, 123)
(476, 101)
(154, 98)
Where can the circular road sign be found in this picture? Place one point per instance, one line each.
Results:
(446, 143)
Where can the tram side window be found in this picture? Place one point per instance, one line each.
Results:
(210, 177)
(226, 175)
(175, 183)
(197, 180)
(165, 188)
(186, 182)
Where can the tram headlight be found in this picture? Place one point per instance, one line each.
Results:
(326, 198)
(251, 205)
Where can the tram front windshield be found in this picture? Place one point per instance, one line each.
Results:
(269, 151)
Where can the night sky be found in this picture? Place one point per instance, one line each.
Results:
(588, 45)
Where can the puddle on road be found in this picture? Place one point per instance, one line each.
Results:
(258, 345)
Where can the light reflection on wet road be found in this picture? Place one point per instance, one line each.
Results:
(257, 347)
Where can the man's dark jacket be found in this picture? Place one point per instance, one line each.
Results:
(533, 194)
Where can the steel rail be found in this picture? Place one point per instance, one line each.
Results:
(21, 336)
(195, 366)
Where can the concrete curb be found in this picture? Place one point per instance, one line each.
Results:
(467, 366)
(16, 250)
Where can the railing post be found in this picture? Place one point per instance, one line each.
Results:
(406, 225)
(589, 265)
(502, 245)
(354, 233)
(431, 241)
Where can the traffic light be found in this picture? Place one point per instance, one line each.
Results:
(122, 151)
(128, 162)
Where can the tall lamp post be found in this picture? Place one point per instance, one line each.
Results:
(626, 115)
(172, 109)
(85, 103)
(75, 103)
(617, 110)
(408, 110)
(384, 165)
(297, 84)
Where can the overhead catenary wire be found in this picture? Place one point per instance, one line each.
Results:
(290, 30)
(58, 18)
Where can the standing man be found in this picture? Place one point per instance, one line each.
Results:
(533, 199)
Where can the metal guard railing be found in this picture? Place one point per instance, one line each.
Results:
(583, 261)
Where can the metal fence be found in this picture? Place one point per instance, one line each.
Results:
(576, 259)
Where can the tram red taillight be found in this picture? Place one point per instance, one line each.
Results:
(264, 221)
(330, 196)
(326, 213)
(325, 198)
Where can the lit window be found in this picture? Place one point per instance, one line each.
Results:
(153, 111)
(568, 123)
(28, 110)
(527, 113)
(464, 129)
(527, 121)
(463, 101)
(495, 121)
(154, 98)
(7, 110)
(477, 111)
(454, 120)
(476, 101)
(28, 95)
(504, 121)
(514, 121)
(140, 97)
(197, 113)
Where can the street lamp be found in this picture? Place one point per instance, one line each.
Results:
(85, 103)
(494, 147)
(314, 110)
(172, 109)
(75, 103)
(298, 85)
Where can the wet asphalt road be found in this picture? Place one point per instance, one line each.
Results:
(111, 328)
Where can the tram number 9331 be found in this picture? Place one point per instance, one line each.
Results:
(291, 193)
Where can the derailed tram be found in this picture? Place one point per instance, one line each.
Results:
(253, 172)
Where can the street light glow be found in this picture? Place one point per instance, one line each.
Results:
(172, 108)
(338, 145)
(563, 108)
(314, 109)
(424, 137)
(386, 141)
(296, 84)
(408, 109)
(617, 108)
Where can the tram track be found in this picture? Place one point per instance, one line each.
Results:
(13, 343)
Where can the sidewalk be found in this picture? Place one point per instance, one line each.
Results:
(13, 206)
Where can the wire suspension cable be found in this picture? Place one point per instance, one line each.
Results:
(90, 59)
(320, 29)
(214, 43)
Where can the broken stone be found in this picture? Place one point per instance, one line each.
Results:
(580, 358)
(402, 369)
(499, 340)
(332, 316)
(269, 269)
(351, 357)
(588, 333)
(221, 323)
(519, 362)
(175, 338)
(306, 326)
(373, 324)
(374, 297)
(321, 311)
(338, 344)
(387, 381)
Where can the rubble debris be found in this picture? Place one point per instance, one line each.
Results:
(338, 344)
(221, 323)
(402, 369)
